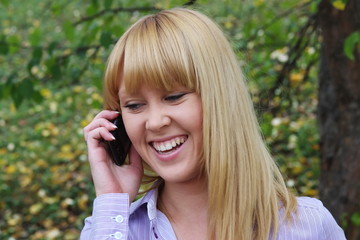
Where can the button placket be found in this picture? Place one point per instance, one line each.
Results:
(117, 235)
(118, 218)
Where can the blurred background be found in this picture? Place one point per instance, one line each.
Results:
(52, 60)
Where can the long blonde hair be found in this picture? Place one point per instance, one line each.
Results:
(182, 46)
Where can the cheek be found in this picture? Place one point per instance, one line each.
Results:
(133, 128)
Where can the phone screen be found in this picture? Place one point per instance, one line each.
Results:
(119, 148)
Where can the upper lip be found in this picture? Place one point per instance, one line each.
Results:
(164, 139)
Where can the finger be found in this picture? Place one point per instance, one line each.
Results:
(135, 159)
(107, 114)
(100, 133)
(101, 122)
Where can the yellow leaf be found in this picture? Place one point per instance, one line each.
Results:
(296, 77)
(228, 24)
(66, 148)
(53, 233)
(66, 155)
(14, 220)
(48, 223)
(96, 96)
(67, 202)
(36, 23)
(84, 123)
(41, 163)
(10, 169)
(315, 147)
(53, 107)
(36, 208)
(82, 203)
(67, 51)
(3, 151)
(25, 181)
(258, 3)
(45, 133)
(297, 169)
(50, 200)
(46, 93)
(338, 4)
(311, 192)
(78, 89)
(12, 108)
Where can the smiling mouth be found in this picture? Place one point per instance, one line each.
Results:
(169, 146)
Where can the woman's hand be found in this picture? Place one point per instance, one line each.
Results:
(108, 177)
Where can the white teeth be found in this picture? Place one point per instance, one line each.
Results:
(166, 146)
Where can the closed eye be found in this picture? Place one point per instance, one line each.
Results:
(133, 106)
(174, 97)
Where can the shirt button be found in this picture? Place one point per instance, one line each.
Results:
(118, 235)
(119, 219)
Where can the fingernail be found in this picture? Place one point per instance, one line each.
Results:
(114, 126)
(113, 137)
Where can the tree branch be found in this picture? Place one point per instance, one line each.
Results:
(189, 3)
(114, 11)
(295, 52)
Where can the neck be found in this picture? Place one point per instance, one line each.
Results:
(183, 200)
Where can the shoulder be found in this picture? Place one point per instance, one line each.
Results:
(311, 221)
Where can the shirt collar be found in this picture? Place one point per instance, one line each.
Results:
(150, 200)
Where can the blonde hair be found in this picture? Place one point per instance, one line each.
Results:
(182, 46)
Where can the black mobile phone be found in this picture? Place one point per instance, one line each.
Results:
(119, 148)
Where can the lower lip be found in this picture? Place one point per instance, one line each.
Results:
(166, 157)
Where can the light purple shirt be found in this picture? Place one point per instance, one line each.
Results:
(113, 219)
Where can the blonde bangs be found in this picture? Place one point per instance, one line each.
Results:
(157, 55)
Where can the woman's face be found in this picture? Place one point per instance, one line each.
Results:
(165, 129)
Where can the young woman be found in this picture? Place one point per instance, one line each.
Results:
(175, 81)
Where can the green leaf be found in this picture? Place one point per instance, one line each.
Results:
(37, 97)
(35, 37)
(355, 219)
(16, 96)
(56, 8)
(52, 47)
(26, 88)
(5, 2)
(91, 10)
(53, 68)
(37, 54)
(105, 39)
(4, 47)
(95, 3)
(14, 43)
(2, 91)
(108, 3)
(350, 44)
(69, 30)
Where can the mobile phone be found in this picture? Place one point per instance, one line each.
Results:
(119, 148)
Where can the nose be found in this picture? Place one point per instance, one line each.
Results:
(157, 119)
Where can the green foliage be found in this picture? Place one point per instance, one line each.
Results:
(45, 185)
(351, 43)
(52, 58)
(355, 219)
